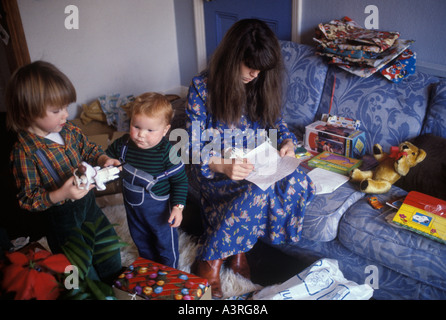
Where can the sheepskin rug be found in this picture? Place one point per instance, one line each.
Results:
(233, 285)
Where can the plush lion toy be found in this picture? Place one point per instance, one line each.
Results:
(390, 168)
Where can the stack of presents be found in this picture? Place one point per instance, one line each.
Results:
(364, 52)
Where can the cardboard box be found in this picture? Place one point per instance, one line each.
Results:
(100, 139)
(321, 136)
(148, 280)
(334, 162)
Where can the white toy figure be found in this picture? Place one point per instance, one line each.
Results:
(85, 175)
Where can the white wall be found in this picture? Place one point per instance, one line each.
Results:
(121, 46)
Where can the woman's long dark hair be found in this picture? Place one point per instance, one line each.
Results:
(252, 42)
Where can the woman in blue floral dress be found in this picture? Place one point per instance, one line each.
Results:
(234, 104)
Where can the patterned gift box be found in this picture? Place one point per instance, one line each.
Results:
(148, 280)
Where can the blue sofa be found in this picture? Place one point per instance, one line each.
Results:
(398, 263)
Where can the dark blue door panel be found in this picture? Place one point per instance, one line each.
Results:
(220, 15)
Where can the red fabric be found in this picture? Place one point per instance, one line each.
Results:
(396, 154)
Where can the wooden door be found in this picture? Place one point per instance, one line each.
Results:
(13, 47)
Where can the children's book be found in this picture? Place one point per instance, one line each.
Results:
(423, 214)
(334, 162)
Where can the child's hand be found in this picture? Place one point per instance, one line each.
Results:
(105, 161)
(73, 192)
(69, 190)
(176, 216)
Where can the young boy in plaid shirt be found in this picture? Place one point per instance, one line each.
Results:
(47, 151)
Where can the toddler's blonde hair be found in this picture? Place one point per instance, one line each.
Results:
(152, 104)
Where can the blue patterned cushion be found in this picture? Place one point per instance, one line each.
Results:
(435, 122)
(390, 113)
(305, 81)
(366, 232)
(388, 284)
(325, 210)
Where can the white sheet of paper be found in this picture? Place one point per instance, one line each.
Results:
(326, 181)
(269, 166)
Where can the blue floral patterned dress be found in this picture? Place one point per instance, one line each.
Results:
(237, 213)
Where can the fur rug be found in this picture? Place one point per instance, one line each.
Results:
(233, 285)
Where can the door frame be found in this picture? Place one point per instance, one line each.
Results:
(20, 52)
(200, 35)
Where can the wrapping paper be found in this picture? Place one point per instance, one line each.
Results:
(148, 280)
(364, 52)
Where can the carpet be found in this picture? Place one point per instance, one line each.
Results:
(234, 286)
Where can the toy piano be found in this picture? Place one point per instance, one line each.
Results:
(423, 214)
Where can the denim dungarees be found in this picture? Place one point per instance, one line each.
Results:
(148, 214)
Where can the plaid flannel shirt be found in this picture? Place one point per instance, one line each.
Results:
(32, 177)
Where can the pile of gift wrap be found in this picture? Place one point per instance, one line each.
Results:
(364, 52)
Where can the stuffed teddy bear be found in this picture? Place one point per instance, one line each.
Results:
(390, 167)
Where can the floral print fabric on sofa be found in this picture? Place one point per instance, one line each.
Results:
(389, 113)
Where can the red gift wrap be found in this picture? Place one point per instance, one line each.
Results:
(148, 280)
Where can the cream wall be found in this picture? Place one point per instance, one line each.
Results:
(126, 47)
